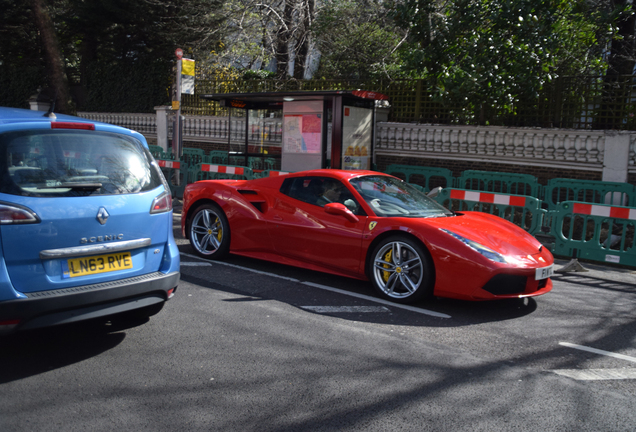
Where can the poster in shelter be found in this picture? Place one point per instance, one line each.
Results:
(302, 133)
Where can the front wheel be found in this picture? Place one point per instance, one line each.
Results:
(210, 232)
(401, 270)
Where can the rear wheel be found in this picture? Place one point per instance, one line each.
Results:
(210, 232)
(401, 270)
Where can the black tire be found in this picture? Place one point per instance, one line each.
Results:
(209, 232)
(405, 279)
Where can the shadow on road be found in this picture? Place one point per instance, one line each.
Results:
(33, 352)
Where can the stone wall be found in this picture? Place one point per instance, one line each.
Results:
(543, 174)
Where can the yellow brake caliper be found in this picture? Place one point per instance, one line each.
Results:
(219, 234)
(387, 258)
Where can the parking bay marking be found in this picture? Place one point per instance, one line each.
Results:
(597, 374)
(195, 264)
(598, 351)
(346, 309)
(336, 290)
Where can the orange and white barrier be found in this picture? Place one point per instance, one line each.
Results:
(169, 164)
(487, 197)
(604, 211)
(223, 169)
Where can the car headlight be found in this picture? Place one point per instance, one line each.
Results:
(485, 251)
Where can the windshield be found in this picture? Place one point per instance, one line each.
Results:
(391, 197)
(53, 163)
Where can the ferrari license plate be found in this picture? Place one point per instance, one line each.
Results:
(544, 272)
(99, 264)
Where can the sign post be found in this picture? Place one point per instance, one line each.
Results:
(176, 106)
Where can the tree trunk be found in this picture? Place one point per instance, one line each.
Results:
(302, 49)
(283, 37)
(54, 62)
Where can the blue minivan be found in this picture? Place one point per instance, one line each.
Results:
(85, 222)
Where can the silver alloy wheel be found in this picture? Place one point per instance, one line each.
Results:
(398, 270)
(206, 231)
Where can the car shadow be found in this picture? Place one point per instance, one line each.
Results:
(33, 352)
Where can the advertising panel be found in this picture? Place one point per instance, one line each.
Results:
(356, 140)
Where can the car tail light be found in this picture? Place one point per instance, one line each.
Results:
(72, 125)
(161, 204)
(14, 214)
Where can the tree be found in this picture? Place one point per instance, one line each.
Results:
(117, 54)
(357, 40)
(54, 61)
(488, 55)
(260, 34)
(617, 84)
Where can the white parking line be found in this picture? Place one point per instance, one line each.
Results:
(242, 268)
(195, 264)
(336, 290)
(346, 309)
(597, 374)
(377, 300)
(598, 351)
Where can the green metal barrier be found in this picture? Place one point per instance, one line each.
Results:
(218, 157)
(176, 174)
(501, 182)
(596, 232)
(215, 172)
(427, 177)
(156, 151)
(262, 163)
(595, 192)
(524, 211)
(193, 157)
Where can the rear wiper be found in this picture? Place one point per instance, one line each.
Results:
(74, 186)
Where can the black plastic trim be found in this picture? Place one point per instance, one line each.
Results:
(46, 308)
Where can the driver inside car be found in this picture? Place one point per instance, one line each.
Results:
(335, 192)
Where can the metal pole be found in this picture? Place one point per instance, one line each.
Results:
(176, 136)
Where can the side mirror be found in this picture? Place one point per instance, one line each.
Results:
(341, 210)
(434, 192)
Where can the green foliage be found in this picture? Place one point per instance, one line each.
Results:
(118, 55)
(356, 40)
(132, 87)
(497, 54)
(257, 74)
(19, 83)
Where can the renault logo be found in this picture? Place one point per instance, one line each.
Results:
(102, 215)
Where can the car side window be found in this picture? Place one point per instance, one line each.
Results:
(320, 191)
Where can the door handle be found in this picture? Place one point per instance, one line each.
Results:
(277, 218)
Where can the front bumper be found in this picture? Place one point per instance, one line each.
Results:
(49, 308)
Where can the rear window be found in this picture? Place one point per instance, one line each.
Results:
(55, 163)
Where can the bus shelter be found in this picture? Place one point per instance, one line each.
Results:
(301, 130)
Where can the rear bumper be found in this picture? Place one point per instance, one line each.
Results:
(48, 308)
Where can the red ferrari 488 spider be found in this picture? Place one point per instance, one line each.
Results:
(366, 225)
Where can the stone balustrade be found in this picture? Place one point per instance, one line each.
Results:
(610, 152)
